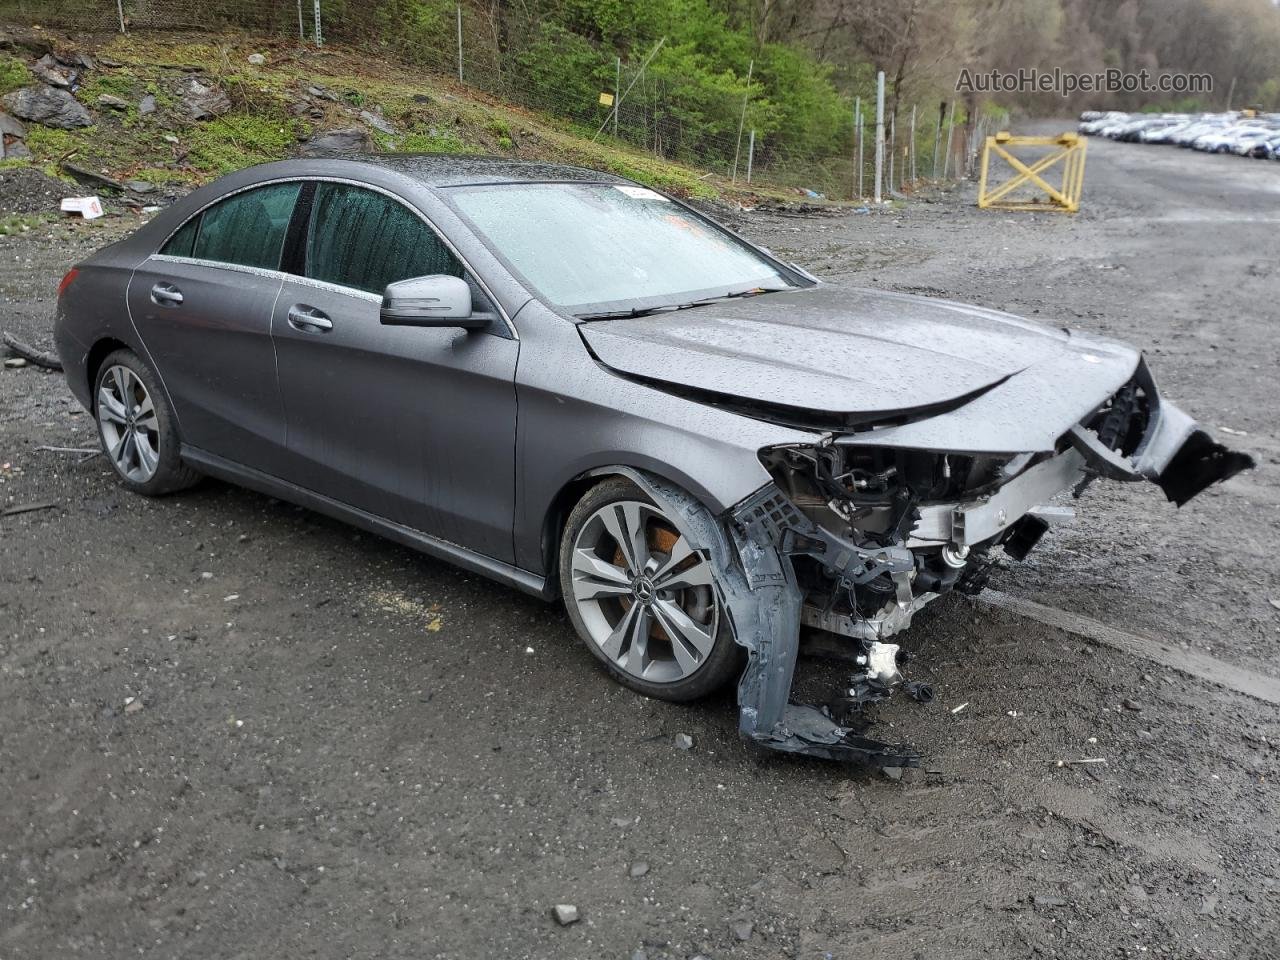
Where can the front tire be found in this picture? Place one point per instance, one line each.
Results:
(137, 427)
(643, 600)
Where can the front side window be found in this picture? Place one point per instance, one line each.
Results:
(595, 247)
(246, 229)
(366, 240)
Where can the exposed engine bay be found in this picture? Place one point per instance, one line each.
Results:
(873, 534)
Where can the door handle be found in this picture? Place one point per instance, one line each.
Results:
(308, 319)
(166, 295)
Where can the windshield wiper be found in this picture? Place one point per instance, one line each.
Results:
(671, 307)
(627, 314)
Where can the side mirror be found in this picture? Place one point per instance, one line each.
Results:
(435, 301)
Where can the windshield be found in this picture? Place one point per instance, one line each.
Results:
(598, 248)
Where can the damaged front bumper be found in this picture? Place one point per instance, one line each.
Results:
(1135, 435)
(905, 554)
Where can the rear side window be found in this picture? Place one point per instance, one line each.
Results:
(183, 243)
(366, 240)
(246, 229)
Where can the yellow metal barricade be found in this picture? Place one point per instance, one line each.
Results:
(1066, 197)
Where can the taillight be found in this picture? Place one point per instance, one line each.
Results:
(66, 281)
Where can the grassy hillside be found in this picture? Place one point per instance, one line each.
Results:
(295, 94)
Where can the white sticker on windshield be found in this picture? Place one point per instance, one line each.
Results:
(640, 193)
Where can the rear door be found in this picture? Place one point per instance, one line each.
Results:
(412, 424)
(202, 307)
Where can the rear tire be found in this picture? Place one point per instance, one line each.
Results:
(137, 427)
(644, 603)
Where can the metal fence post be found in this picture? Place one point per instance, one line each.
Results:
(893, 136)
(120, 13)
(319, 34)
(951, 123)
(460, 43)
(751, 152)
(913, 145)
(879, 132)
(302, 30)
(937, 138)
(617, 89)
(857, 124)
(742, 119)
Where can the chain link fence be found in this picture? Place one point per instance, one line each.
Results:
(732, 128)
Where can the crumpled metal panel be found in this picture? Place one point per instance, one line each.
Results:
(758, 590)
(830, 349)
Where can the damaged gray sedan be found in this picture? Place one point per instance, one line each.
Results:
(582, 388)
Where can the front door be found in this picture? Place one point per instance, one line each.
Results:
(415, 425)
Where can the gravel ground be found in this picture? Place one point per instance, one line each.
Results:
(231, 728)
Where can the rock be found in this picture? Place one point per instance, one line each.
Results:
(565, 914)
(170, 138)
(91, 177)
(204, 101)
(147, 105)
(322, 93)
(15, 151)
(1046, 900)
(891, 773)
(1209, 905)
(15, 363)
(49, 106)
(741, 930)
(10, 127)
(343, 140)
(140, 186)
(639, 954)
(133, 706)
(638, 869)
(1133, 705)
(48, 69)
(377, 122)
(1135, 893)
(1274, 602)
(257, 59)
(684, 741)
(115, 103)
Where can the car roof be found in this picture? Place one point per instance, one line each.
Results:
(453, 170)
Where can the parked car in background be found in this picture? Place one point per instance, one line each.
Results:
(1245, 134)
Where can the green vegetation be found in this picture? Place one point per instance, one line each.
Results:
(20, 224)
(239, 139)
(13, 73)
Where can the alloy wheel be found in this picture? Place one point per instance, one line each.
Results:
(645, 595)
(128, 423)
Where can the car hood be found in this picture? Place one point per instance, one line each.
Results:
(853, 355)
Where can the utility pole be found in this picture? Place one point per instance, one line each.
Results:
(742, 119)
(879, 133)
